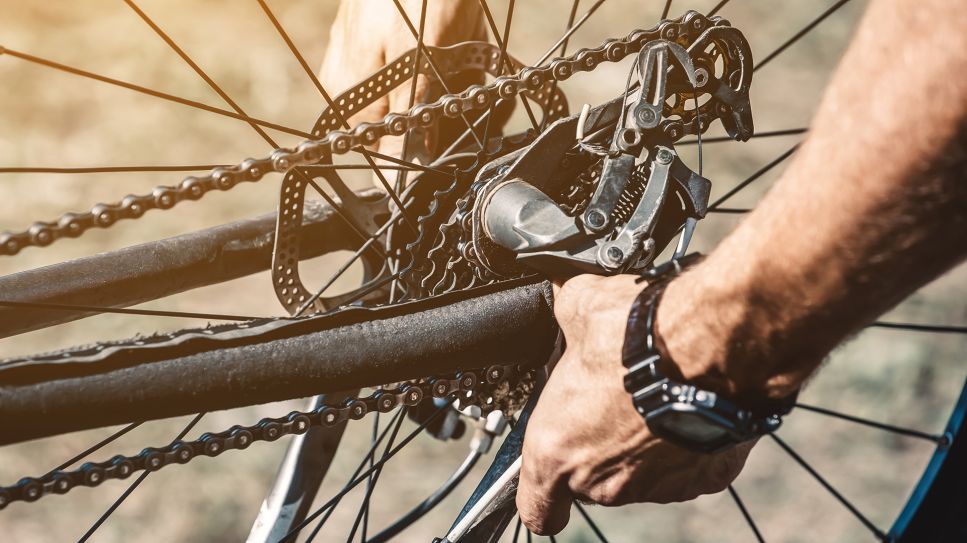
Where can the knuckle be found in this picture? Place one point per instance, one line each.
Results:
(612, 491)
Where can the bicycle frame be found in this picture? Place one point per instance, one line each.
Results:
(153, 270)
(505, 323)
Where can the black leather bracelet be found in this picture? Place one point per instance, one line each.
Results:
(696, 419)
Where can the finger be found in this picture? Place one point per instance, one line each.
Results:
(544, 506)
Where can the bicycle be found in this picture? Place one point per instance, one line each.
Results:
(509, 312)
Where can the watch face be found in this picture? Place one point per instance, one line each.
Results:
(689, 425)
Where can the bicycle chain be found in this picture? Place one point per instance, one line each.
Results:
(339, 142)
(309, 152)
(470, 387)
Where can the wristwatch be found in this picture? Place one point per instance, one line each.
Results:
(690, 417)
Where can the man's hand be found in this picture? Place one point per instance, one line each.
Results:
(368, 34)
(585, 440)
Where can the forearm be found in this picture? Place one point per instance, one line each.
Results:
(873, 206)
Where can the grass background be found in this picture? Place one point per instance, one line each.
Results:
(53, 119)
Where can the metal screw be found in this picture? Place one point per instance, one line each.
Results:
(664, 156)
(646, 116)
(615, 254)
(595, 219)
(701, 77)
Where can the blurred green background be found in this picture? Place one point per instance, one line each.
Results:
(54, 119)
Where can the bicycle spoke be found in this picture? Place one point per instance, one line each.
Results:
(295, 50)
(96, 447)
(747, 181)
(730, 210)
(366, 458)
(543, 58)
(517, 530)
(358, 230)
(771, 134)
(137, 482)
(401, 176)
(832, 9)
(322, 91)
(201, 73)
(112, 169)
(666, 9)
(197, 168)
(717, 7)
(126, 311)
(570, 23)
(315, 80)
(228, 100)
(502, 63)
(567, 35)
(873, 424)
(745, 514)
(321, 167)
(371, 482)
(372, 286)
(355, 481)
(346, 265)
(411, 165)
(934, 328)
(819, 478)
(433, 66)
(456, 143)
(150, 92)
(587, 518)
(214, 86)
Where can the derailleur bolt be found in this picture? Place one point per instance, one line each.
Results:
(645, 116)
(664, 156)
(615, 254)
(595, 219)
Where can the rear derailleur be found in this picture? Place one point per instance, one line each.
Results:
(605, 192)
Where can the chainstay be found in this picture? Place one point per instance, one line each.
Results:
(469, 388)
(338, 142)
